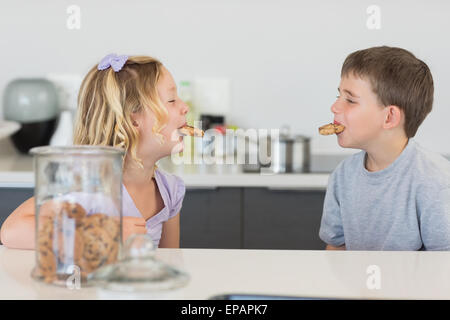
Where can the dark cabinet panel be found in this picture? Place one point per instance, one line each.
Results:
(11, 198)
(211, 218)
(232, 218)
(282, 219)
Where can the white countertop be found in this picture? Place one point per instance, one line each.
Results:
(25, 179)
(16, 171)
(403, 275)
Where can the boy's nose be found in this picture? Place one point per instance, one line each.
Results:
(335, 107)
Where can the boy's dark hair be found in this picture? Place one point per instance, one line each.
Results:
(397, 78)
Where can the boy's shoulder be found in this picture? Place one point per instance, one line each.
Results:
(431, 168)
(349, 165)
(426, 168)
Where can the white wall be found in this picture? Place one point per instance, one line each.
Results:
(283, 57)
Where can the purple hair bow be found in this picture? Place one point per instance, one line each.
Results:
(114, 61)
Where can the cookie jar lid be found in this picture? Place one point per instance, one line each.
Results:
(138, 270)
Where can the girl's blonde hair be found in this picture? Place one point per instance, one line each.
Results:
(107, 99)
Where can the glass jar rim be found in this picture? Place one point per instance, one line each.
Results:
(80, 150)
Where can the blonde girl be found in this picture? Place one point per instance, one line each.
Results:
(130, 103)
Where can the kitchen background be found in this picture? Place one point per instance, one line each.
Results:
(282, 58)
(273, 63)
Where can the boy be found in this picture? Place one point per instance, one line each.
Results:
(393, 195)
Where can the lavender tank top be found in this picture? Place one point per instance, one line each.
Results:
(172, 191)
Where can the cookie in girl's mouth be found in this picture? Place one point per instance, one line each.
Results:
(190, 131)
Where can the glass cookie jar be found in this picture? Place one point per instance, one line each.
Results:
(78, 199)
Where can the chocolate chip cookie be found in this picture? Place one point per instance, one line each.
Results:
(331, 128)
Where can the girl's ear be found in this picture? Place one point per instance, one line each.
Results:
(393, 118)
(134, 119)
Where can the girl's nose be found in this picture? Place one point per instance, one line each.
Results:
(184, 108)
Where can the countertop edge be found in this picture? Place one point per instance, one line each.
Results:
(306, 181)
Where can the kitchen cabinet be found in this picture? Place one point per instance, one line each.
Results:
(211, 218)
(252, 218)
(233, 217)
(282, 219)
(11, 198)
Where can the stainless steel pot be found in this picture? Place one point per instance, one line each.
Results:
(285, 153)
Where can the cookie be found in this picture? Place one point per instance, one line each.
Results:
(54, 214)
(73, 210)
(187, 130)
(114, 253)
(112, 228)
(331, 128)
(45, 233)
(69, 254)
(93, 220)
(64, 210)
(91, 242)
(78, 245)
(46, 262)
(45, 258)
(85, 266)
(107, 223)
(111, 225)
(97, 245)
(67, 235)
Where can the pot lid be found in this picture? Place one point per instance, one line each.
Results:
(285, 135)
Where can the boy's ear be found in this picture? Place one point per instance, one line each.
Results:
(393, 117)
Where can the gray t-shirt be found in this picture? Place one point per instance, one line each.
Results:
(405, 206)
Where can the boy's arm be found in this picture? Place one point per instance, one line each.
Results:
(19, 228)
(331, 229)
(435, 222)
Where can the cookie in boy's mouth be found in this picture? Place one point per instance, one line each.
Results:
(331, 128)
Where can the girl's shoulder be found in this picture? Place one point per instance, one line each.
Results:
(172, 185)
(169, 179)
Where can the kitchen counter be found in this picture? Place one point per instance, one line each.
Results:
(25, 179)
(326, 274)
(16, 171)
